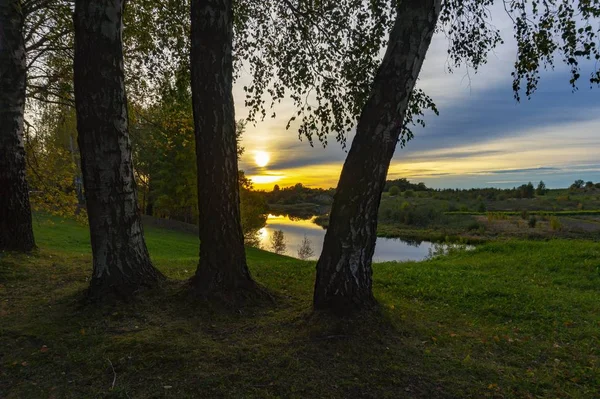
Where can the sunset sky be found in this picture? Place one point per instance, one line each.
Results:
(481, 138)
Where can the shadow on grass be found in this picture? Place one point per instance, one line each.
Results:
(56, 344)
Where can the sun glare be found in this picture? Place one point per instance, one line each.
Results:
(261, 158)
(265, 179)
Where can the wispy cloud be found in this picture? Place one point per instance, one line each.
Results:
(523, 170)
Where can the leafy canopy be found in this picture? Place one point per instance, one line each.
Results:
(324, 54)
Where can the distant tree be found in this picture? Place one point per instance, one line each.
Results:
(53, 163)
(530, 190)
(589, 184)
(577, 184)
(305, 252)
(278, 244)
(394, 190)
(525, 191)
(276, 188)
(403, 184)
(541, 188)
(163, 149)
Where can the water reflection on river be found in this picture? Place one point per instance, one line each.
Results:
(387, 249)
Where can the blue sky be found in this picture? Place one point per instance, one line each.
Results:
(482, 137)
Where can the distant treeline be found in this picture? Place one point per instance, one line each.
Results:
(404, 184)
(528, 190)
(523, 191)
(299, 194)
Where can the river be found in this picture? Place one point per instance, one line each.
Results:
(387, 249)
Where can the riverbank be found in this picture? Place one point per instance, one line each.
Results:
(482, 215)
(510, 319)
(480, 227)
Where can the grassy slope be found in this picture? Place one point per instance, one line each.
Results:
(512, 319)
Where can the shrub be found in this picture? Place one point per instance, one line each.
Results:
(306, 252)
(394, 190)
(405, 213)
(409, 193)
(474, 225)
(496, 216)
(532, 221)
(555, 223)
(278, 242)
(481, 207)
(524, 214)
(252, 239)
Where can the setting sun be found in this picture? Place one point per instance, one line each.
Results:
(262, 158)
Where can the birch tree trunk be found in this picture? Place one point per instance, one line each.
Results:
(16, 233)
(344, 274)
(121, 261)
(222, 269)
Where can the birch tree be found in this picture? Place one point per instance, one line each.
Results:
(16, 232)
(121, 261)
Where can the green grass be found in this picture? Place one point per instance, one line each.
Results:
(516, 319)
(543, 213)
